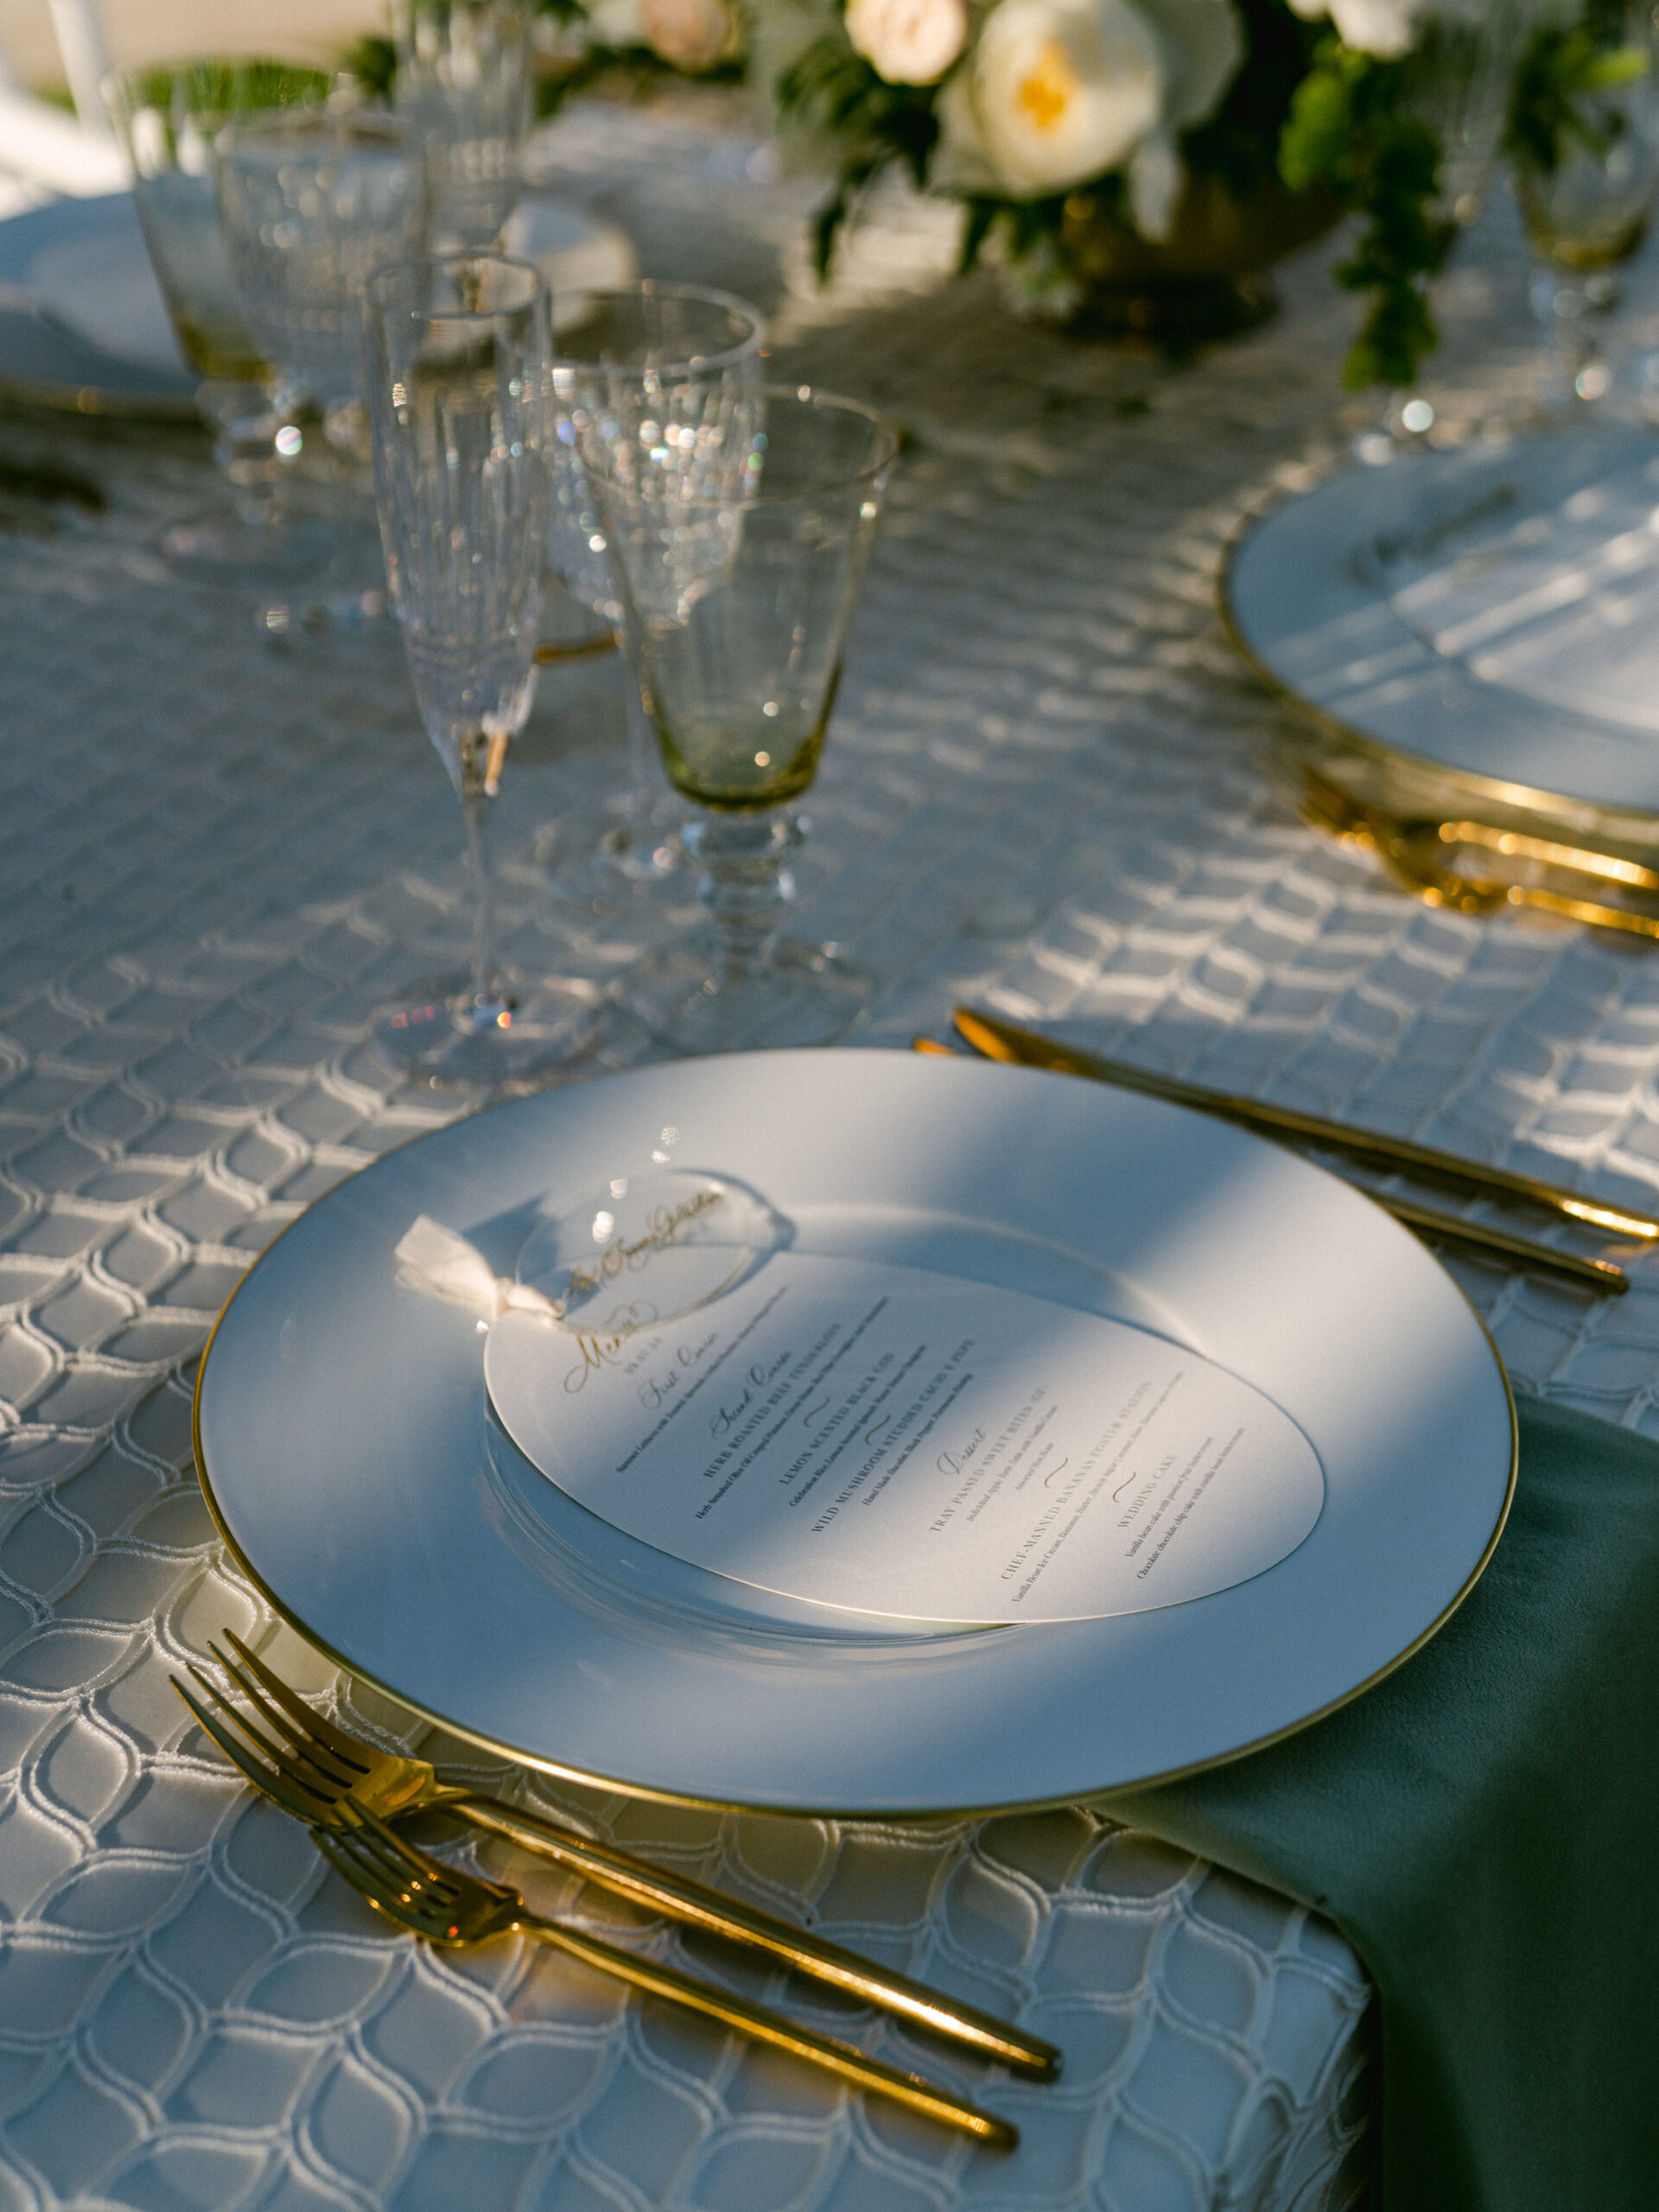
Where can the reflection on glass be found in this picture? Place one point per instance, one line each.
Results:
(167, 118)
(739, 600)
(458, 349)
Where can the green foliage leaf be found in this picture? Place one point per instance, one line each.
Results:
(835, 91)
(1350, 129)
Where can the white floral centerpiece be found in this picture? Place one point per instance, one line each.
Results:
(1146, 141)
(1060, 124)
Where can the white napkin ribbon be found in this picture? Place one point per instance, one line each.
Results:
(442, 1263)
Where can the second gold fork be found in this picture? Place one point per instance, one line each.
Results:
(321, 1775)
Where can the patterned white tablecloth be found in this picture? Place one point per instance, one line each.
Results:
(223, 850)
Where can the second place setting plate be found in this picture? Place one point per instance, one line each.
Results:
(1476, 630)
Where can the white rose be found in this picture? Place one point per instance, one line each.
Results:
(908, 41)
(1057, 92)
(689, 33)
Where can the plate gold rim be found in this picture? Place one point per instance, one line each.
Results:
(1490, 791)
(98, 400)
(593, 1778)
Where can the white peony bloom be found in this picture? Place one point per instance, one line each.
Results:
(1203, 44)
(1389, 28)
(908, 41)
(1384, 28)
(1057, 92)
(1155, 178)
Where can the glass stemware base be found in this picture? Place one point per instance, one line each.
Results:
(521, 1028)
(632, 875)
(803, 994)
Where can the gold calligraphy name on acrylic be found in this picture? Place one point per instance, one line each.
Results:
(602, 1347)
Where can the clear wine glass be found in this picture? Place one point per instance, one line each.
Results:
(1587, 192)
(458, 350)
(1457, 81)
(673, 366)
(738, 600)
(312, 199)
(167, 118)
(466, 84)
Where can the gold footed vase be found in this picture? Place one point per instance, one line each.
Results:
(1207, 279)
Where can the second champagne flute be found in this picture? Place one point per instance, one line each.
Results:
(458, 355)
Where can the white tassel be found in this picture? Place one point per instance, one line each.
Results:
(440, 1263)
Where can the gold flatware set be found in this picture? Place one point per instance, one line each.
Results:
(347, 1792)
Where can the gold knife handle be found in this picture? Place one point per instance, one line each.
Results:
(1006, 1041)
(692, 1903)
(835, 2057)
(1599, 1275)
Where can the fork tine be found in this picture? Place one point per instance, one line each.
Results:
(409, 1903)
(295, 1767)
(340, 1847)
(299, 1740)
(251, 1770)
(319, 1730)
(414, 1901)
(402, 1863)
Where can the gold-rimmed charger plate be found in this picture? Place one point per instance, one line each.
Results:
(345, 1447)
(93, 250)
(1473, 631)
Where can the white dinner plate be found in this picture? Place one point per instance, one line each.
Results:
(345, 1447)
(83, 323)
(1490, 613)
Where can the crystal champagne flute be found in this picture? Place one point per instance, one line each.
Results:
(458, 351)
(739, 599)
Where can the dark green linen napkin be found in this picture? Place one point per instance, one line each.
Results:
(1484, 1827)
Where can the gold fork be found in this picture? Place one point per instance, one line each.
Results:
(322, 1776)
(1414, 852)
(453, 1908)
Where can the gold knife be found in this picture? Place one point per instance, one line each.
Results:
(1005, 1040)
(1597, 1274)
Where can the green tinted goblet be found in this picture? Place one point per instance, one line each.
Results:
(739, 599)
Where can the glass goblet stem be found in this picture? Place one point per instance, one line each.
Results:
(246, 420)
(746, 889)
